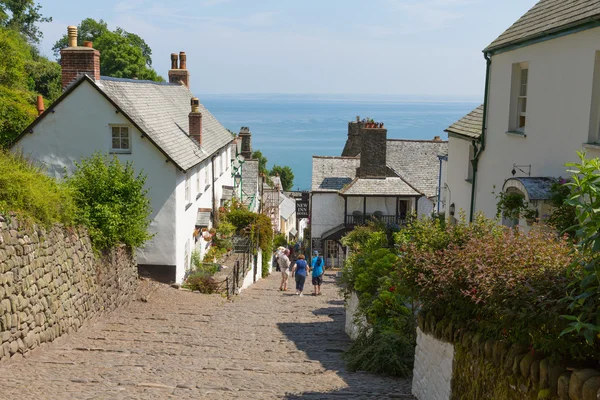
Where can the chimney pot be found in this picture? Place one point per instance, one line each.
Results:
(181, 75)
(77, 61)
(89, 44)
(182, 60)
(40, 105)
(437, 139)
(195, 104)
(72, 33)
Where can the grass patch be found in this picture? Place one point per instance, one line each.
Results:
(28, 191)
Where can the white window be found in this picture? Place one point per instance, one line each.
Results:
(120, 139)
(187, 189)
(206, 175)
(520, 80)
(470, 166)
(198, 187)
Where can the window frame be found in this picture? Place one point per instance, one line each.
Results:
(188, 194)
(519, 98)
(114, 150)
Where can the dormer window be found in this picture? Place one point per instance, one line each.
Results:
(120, 139)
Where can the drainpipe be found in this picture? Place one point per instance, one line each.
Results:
(479, 145)
(439, 193)
(214, 199)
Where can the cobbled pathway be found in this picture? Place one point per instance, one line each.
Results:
(180, 345)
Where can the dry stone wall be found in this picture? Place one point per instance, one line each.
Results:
(51, 282)
(494, 369)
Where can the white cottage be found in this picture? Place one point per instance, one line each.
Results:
(541, 105)
(375, 178)
(160, 127)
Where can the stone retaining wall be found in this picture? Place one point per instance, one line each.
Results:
(496, 370)
(353, 322)
(51, 282)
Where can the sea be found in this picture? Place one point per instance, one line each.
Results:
(290, 129)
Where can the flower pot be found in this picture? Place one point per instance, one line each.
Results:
(530, 221)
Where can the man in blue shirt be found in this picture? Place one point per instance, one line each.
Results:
(317, 272)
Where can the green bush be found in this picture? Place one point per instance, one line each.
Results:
(386, 345)
(25, 189)
(112, 201)
(494, 281)
(280, 240)
(202, 282)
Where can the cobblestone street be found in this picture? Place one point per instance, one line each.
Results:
(263, 345)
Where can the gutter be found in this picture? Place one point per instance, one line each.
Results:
(578, 26)
(479, 145)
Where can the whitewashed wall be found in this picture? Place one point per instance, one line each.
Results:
(353, 326)
(559, 112)
(425, 207)
(186, 218)
(432, 373)
(80, 126)
(327, 212)
(458, 190)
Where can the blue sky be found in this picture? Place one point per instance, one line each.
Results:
(392, 47)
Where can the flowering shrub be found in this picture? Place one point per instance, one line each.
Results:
(501, 283)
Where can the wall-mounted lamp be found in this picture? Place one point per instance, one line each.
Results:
(237, 179)
(452, 209)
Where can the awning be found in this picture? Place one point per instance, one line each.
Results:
(534, 188)
(335, 233)
(227, 192)
(203, 217)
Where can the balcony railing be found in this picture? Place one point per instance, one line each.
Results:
(365, 219)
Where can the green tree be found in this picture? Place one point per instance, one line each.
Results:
(112, 201)
(262, 162)
(123, 54)
(17, 107)
(23, 17)
(285, 174)
(44, 77)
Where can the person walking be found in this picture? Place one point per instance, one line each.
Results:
(317, 272)
(284, 265)
(300, 270)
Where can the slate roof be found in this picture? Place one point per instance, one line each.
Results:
(390, 186)
(417, 162)
(538, 188)
(161, 111)
(470, 125)
(330, 174)
(249, 179)
(546, 17)
(287, 206)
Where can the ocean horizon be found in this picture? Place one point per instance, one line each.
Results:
(290, 128)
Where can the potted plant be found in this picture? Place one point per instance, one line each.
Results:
(530, 215)
(511, 205)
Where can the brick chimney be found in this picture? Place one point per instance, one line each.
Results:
(352, 147)
(373, 146)
(40, 105)
(246, 137)
(76, 61)
(196, 121)
(179, 73)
